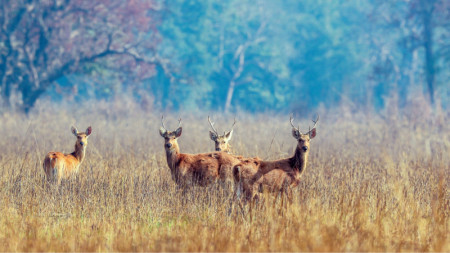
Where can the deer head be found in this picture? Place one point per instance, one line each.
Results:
(170, 137)
(221, 141)
(303, 139)
(82, 137)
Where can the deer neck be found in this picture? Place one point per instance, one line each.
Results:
(79, 153)
(173, 156)
(298, 161)
(229, 149)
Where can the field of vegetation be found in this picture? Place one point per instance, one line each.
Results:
(373, 183)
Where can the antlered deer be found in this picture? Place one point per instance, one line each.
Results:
(222, 142)
(58, 166)
(252, 175)
(195, 169)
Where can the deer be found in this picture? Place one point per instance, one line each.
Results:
(195, 169)
(252, 176)
(222, 142)
(58, 166)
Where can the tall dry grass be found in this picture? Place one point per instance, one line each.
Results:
(373, 183)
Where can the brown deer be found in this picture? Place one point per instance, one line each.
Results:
(222, 142)
(195, 169)
(58, 166)
(254, 175)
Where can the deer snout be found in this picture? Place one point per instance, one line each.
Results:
(168, 145)
(82, 143)
(218, 149)
(305, 148)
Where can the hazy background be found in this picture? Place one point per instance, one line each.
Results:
(247, 55)
(377, 73)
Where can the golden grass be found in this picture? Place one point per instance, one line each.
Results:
(371, 184)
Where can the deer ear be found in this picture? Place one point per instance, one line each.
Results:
(162, 131)
(312, 134)
(74, 130)
(228, 135)
(212, 135)
(295, 133)
(88, 131)
(178, 132)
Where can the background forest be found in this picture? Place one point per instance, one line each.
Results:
(377, 72)
(248, 55)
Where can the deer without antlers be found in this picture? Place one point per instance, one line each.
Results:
(58, 166)
(252, 175)
(222, 142)
(195, 169)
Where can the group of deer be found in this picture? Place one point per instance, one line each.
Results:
(250, 175)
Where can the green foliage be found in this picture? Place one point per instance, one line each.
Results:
(226, 55)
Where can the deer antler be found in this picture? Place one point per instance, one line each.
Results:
(162, 122)
(212, 126)
(234, 123)
(315, 123)
(291, 119)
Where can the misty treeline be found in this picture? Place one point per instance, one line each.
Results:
(225, 55)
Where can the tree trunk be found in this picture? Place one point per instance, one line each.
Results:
(30, 94)
(240, 52)
(229, 95)
(30, 99)
(6, 93)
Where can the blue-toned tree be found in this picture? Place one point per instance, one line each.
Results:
(43, 41)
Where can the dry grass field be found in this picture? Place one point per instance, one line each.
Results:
(373, 183)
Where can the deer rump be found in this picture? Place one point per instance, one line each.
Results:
(203, 169)
(255, 176)
(59, 165)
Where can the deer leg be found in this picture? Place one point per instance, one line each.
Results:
(290, 196)
(237, 195)
(182, 189)
(231, 205)
(249, 197)
(241, 208)
(251, 210)
(274, 204)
